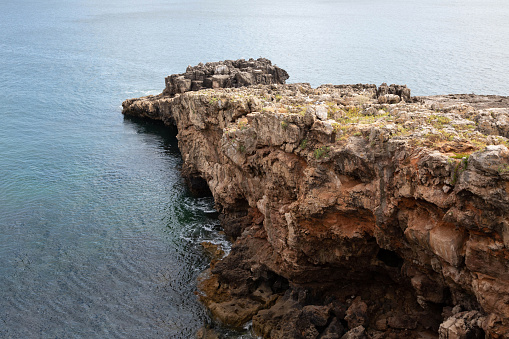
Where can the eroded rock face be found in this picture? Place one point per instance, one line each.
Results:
(351, 215)
(392, 94)
(224, 74)
(221, 74)
(462, 326)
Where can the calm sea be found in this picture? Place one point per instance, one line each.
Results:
(98, 236)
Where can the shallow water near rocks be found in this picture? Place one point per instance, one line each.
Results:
(98, 234)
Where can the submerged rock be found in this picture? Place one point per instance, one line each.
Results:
(353, 213)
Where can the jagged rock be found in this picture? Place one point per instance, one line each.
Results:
(321, 112)
(463, 325)
(224, 74)
(235, 308)
(213, 251)
(334, 331)
(389, 99)
(281, 320)
(289, 319)
(356, 315)
(317, 315)
(405, 205)
(207, 333)
(392, 94)
(355, 333)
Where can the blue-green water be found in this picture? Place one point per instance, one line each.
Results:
(98, 235)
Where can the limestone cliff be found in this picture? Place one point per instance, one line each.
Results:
(355, 211)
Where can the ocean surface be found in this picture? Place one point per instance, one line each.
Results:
(99, 237)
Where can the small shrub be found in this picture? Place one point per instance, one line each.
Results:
(503, 169)
(468, 127)
(242, 124)
(460, 167)
(502, 141)
(332, 109)
(438, 121)
(460, 156)
(321, 152)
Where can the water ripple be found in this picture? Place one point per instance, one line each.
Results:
(98, 235)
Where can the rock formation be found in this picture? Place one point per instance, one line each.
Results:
(354, 211)
(223, 74)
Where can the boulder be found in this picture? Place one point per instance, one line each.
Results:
(463, 325)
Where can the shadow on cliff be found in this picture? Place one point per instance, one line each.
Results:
(196, 185)
(167, 133)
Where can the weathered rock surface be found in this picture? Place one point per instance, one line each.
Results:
(221, 74)
(224, 74)
(462, 325)
(353, 214)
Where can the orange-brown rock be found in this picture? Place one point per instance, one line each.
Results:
(344, 202)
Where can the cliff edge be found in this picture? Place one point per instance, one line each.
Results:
(355, 211)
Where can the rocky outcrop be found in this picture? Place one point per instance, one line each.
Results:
(352, 214)
(224, 74)
(392, 94)
(462, 325)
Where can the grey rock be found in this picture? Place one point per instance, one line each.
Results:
(463, 325)
(321, 112)
(385, 94)
(224, 74)
(356, 333)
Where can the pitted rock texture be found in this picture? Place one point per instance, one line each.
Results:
(350, 216)
(392, 94)
(224, 74)
(221, 74)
